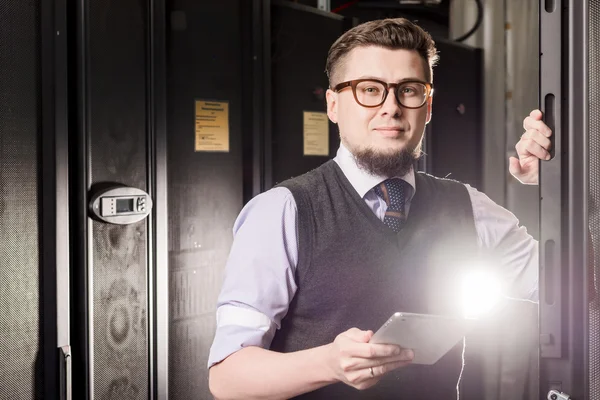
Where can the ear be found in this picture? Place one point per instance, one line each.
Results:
(332, 105)
(429, 107)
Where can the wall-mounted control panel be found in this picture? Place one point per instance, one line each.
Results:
(120, 205)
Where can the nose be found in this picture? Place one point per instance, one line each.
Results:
(391, 105)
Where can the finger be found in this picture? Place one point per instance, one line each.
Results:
(528, 147)
(353, 363)
(367, 377)
(374, 350)
(514, 167)
(381, 370)
(406, 355)
(530, 123)
(536, 114)
(362, 379)
(536, 136)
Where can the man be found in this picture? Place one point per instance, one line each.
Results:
(322, 260)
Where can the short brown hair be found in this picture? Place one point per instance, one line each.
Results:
(390, 33)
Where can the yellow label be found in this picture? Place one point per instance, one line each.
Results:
(316, 134)
(212, 126)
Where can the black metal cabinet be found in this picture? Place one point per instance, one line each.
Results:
(117, 126)
(34, 253)
(569, 196)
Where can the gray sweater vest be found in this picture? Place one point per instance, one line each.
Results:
(353, 271)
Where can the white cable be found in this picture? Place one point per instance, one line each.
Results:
(462, 368)
(517, 299)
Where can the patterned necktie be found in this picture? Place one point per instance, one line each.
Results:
(393, 192)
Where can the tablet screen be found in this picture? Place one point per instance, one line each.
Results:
(429, 336)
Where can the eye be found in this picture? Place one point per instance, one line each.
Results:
(372, 90)
(408, 90)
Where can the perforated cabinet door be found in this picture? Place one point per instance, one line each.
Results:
(205, 188)
(21, 316)
(594, 198)
(114, 147)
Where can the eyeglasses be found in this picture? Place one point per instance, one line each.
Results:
(373, 93)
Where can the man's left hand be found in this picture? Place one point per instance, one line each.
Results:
(534, 146)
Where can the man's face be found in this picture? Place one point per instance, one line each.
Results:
(387, 130)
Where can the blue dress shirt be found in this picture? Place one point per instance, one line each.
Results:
(259, 276)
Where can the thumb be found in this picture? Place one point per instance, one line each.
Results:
(514, 166)
(359, 335)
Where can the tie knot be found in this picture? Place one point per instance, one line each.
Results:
(393, 192)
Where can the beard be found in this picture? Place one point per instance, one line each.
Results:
(389, 164)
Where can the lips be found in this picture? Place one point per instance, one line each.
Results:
(390, 128)
(390, 131)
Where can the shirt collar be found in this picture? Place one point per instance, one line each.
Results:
(361, 180)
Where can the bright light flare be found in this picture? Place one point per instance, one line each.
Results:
(481, 291)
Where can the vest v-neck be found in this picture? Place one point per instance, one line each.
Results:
(414, 213)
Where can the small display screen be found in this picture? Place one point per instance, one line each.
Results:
(124, 205)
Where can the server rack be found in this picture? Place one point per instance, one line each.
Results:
(569, 190)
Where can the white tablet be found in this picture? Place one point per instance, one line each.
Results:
(429, 336)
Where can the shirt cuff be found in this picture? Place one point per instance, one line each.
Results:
(231, 338)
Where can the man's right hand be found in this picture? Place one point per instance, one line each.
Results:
(361, 364)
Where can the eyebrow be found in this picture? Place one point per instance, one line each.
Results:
(400, 81)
